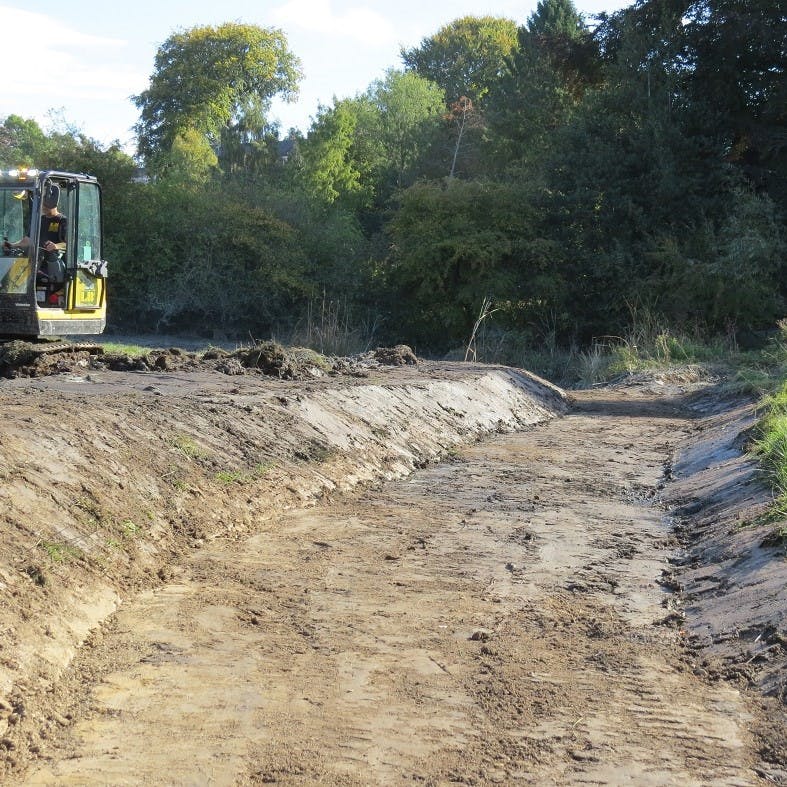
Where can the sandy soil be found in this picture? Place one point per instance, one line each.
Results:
(432, 574)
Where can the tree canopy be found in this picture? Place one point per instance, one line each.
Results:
(217, 82)
(572, 172)
(464, 57)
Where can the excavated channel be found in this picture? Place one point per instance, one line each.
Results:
(496, 618)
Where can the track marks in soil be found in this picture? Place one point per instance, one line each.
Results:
(489, 620)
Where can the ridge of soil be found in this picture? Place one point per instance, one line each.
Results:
(110, 478)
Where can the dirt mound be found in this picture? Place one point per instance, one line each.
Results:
(399, 355)
(29, 359)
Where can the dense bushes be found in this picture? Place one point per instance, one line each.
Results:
(588, 174)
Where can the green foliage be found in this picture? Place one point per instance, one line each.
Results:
(331, 170)
(205, 257)
(213, 81)
(191, 158)
(455, 243)
(408, 107)
(21, 142)
(559, 173)
(555, 18)
(360, 150)
(646, 215)
(464, 57)
(544, 79)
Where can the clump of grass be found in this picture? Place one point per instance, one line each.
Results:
(244, 476)
(771, 444)
(763, 372)
(129, 528)
(132, 350)
(188, 447)
(771, 448)
(229, 476)
(60, 553)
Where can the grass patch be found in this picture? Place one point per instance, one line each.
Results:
(771, 442)
(228, 477)
(60, 553)
(129, 529)
(132, 350)
(770, 445)
(188, 447)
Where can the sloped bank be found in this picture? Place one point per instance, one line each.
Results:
(731, 573)
(109, 479)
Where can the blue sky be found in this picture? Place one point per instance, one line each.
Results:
(84, 60)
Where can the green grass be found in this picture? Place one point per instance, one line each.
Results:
(188, 447)
(133, 350)
(61, 553)
(129, 529)
(244, 476)
(771, 445)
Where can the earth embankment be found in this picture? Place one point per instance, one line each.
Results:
(380, 575)
(110, 478)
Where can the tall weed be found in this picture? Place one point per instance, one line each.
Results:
(328, 327)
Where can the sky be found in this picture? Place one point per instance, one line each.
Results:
(80, 63)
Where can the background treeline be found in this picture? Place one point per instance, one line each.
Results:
(567, 175)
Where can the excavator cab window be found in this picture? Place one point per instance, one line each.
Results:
(89, 224)
(15, 267)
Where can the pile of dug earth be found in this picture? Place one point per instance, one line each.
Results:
(28, 359)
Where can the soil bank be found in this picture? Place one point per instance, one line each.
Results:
(221, 579)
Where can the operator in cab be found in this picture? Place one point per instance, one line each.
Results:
(54, 225)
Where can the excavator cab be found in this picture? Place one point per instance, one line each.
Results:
(47, 291)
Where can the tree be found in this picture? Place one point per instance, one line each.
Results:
(456, 242)
(21, 142)
(191, 158)
(330, 169)
(464, 57)
(544, 80)
(738, 55)
(554, 18)
(362, 149)
(216, 81)
(408, 107)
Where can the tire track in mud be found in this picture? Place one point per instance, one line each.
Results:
(497, 618)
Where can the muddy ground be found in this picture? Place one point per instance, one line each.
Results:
(270, 567)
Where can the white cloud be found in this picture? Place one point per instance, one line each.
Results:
(66, 65)
(18, 22)
(318, 16)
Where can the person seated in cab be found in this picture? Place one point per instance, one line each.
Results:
(52, 241)
(54, 226)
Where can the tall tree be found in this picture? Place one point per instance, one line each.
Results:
(738, 52)
(364, 148)
(464, 57)
(21, 141)
(555, 18)
(544, 79)
(330, 168)
(408, 108)
(217, 81)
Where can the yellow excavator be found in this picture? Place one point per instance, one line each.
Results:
(52, 275)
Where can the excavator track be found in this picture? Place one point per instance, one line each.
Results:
(17, 353)
(47, 348)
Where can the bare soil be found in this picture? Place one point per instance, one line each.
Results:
(382, 571)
